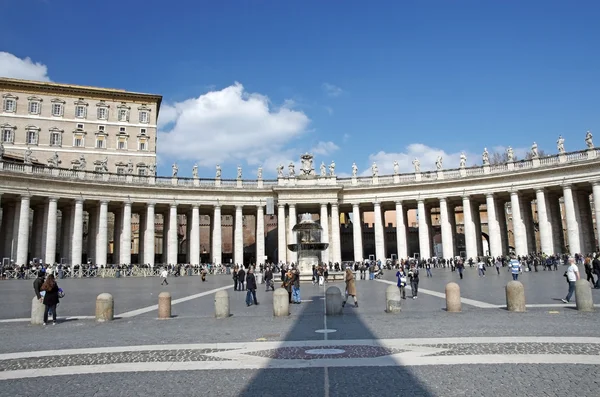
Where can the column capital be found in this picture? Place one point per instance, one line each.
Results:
(260, 206)
(466, 197)
(151, 204)
(127, 203)
(421, 201)
(355, 205)
(280, 205)
(239, 207)
(324, 205)
(52, 199)
(292, 205)
(195, 206)
(217, 206)
(514, 193)
(567, 186)
(334, 205)
(539, 190)
(442, 199)
(596, 183)
(489, 195)
(398, 202)
(173, 205)
(79, 201)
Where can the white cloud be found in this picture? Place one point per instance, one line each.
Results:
(228, 126)
(332, 90)
(324, 148)
(17, 68)
(329, 110)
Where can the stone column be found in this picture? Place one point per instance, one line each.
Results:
(572, 224)
(238, 238)
(424, 243)
(141, 236)
(149, 235)
(596, 198)
(446, 227)
(217, 256)
(172, 247)
(501, 215)
(125, 254)
(36, 243)
(356, 232)
(336, 254)
(102, 234)
(430, 230)
(476, 216)
(586, 225)
(260, 234)
(292, 219)
(518, 226)
(324, 220)
(66, 232)
(51, 223)
(527, 218)
(7, 231)
(281, 234)
(77, 237)
(452, 220)
(92, 231)
(546, 242)
(493, 226)
(556, 221)
(379, 233)
(117, 233)
(470, 232)
(23, 231)
(194, 236)
(401, 242)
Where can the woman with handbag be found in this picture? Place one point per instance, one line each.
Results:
(50, 298)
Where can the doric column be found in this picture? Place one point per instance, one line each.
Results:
(336, 254)
(470, 233)
(476, 216)
(596, 198)
(102, 234)
(555, 219)
(37, 229)
(216, 236)
(586, 225)
(324, 220)
(172, 247)
(356, 232)
(572, 224)
(195, 236)
(493, 226)
(8, 231)
(281, 234)
(92, 231)
(66, 233)
(501, 216)
(141, 236)
(402, 248)
(527, 218)
(260, 234)
(518, 226)
(51, 222)
(149, 235)
(238, 240)
(118, 232)
(379, 234)
(446, 226)
(546, 242)
(125, 254)
(23, 231)
(292, 219)
(424, 240)
(77, 237)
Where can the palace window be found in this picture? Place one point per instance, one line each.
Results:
(58, 107)
(80, 111)
(8, 134)
(101, 128)
(142, 131)
(123, 113)
(142, 170)
(143, 146)
(121, 170)
(32, 135)
(100, 142)
(78, 140)
(122, 143)
(9, 103)
(55, 137)
(35, 105)
(144, 114)
(102, 110)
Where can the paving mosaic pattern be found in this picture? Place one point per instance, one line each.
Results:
(182, 355)
(470, 349)
(301, 353)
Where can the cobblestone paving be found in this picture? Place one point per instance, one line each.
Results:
(470, 349)
(182, 355)
(299, 353)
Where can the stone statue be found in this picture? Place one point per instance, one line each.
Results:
(560, 144)
(1, 150)
(195, 171)
(27, 156)
(438, 163)
(588, 140)
(332, 168)
(396, 167)
(104, 165)
(307, 165)
(354, 169)
(175, 170)
(280, 171)
(82, 163)
(54, 161)
(534, 151)
(485, 157)
(292, 170)
(239, 172)
(130, 167)
(510, 154)
(417, 165)
(323, 171)
(374, 169)
(463, 160)
(259, 173)
(218, 174)
(151, 167)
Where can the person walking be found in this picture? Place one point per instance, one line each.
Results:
(596, 269)
(498, 264)
(401, 276)
(428, 268)
(460, 266)
(350, 287)
(241, 277)
(288, 282)
(589, 271)
(164, 274)
(296, 287)
(481, 268)
(269, 279)
(235, 278)
(50, 298)
(413, 275)
(251, 288)
(572, 275)
(515, 268)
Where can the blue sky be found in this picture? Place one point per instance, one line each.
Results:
(258, 82)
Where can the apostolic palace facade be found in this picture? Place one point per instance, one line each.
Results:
(73, 153)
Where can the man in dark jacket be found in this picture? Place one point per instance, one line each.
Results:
(241, 278)
(269, 278)
(251, 287)
(596, 270)
(37, 284)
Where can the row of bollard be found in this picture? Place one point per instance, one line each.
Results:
(515, 302)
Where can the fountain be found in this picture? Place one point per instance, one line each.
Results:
(308, 245)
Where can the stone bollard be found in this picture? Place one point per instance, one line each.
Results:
(105, 308)
(164, 305)
(281, 303)
(453, 304)
(392, 299)
(333, 301)
(515, 296)
(222, 304)
(37, 312)
(583, 296)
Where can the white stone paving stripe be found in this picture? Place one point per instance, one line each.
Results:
(22, 320)
(143, 310)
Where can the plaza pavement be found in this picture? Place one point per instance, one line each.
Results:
(550, 350)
